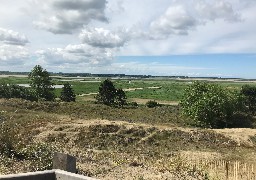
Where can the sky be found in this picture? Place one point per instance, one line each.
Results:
(149, 37)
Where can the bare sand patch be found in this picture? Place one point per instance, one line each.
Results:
(240, 135)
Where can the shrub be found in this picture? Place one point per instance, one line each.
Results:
(249, 93)
(210, 105)
(14, 91)
(133, 104)
(151, 104)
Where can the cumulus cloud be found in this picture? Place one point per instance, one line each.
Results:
(12, 37)
(10, 54)
(75, 54)
(103, 38)
(180, 17)
(176, 20)
(12, 50)
(217, 10)
(98, 48)
(65, 16)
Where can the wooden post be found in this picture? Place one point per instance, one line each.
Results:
(227, 163)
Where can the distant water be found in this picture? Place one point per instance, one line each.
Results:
(55, 86)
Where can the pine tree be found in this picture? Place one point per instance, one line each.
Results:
(107, 93)
(120, 98)
(67, 93)
(41, 83)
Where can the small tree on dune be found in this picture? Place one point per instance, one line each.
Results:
(120, 98)
(67, 93)
(41, 83)
(107, 93)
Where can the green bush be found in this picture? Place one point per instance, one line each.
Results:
(15, 91)
(210, 105)
(133, 104)
(249, 93)
(151, 104)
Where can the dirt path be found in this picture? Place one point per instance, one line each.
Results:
(127, 89)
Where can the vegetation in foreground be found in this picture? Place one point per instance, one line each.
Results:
(147, 146)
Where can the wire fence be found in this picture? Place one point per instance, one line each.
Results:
(227, 170)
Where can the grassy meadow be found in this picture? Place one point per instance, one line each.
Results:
(165, 89)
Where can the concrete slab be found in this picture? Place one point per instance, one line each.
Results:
(55, 174)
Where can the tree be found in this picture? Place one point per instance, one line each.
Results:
(210, 105)
(41, 83)
(107, 93)
(67, 93)
(120, 98)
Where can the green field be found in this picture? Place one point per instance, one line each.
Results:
(154, 89)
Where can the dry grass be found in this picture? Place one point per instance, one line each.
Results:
(118, 149)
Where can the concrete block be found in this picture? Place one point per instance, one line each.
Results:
(39, 175)
(64, 162)
(46, 175)
(63, 175)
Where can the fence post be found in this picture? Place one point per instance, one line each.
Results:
(64, 162)
(227, 170)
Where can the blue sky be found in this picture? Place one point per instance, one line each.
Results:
(163, 37)
(216, 65)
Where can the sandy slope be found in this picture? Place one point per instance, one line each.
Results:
(107, 170)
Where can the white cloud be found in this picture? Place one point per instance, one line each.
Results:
(13, 55)
(75, 54)
(100, 37)
(176, 20)
(154, 28)
(12, 50)
(180, 18)
(219, 9)
(12, 37)
(66, 16)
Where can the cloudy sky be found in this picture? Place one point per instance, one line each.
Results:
(157, 37)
